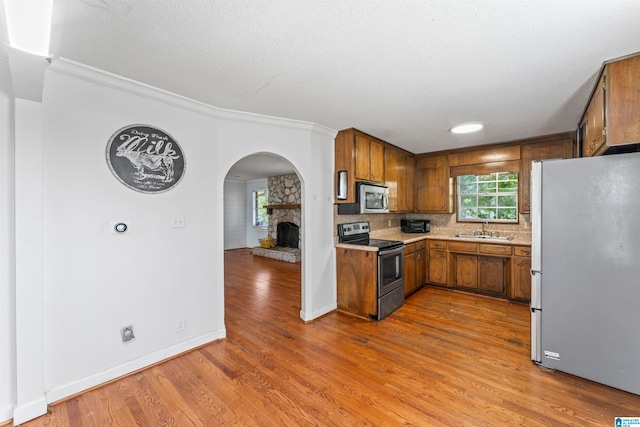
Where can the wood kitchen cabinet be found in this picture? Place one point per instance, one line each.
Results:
(414, 266)
(438, 262)
(369, 158)
(433, 184)
(400, 179)
(521, 275)
(611, 121)
(560, 146)
(490, 268)
(421, 264)
(466, 271)
(492, 274)
(356, 272)
(362, 156)
(409, 268)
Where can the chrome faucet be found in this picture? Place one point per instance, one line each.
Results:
(485, 225)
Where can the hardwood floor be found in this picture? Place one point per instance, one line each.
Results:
(443, 359)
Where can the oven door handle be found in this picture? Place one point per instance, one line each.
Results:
(383, 252)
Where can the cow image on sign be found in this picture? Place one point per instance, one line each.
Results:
(145, 158)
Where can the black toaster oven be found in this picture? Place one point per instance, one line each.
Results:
(414, 225)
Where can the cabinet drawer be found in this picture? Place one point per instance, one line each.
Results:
(495, 249)
(421, 244)
(409, 248)
(463, 246)
(437, 244)
(522, 251)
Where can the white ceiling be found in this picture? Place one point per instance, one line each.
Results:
(402, 70)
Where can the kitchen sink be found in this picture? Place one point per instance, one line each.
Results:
(485, 237)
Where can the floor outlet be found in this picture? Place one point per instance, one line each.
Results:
(180, 326)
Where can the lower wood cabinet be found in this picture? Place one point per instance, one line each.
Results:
(521, 276)
(357, 281)
(466, 271)
(414, 266)
(437, 268)
(491, 274)
(493, 269)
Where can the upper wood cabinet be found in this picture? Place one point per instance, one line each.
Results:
(362, 156)
(611, 122)
(369, 158)
(400, 168)
(433, 184)
(560, 146)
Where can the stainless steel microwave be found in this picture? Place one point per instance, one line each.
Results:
(370, 198)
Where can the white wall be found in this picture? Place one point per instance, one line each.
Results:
(96, 282)
(235, 214)
(253, 233)
(7, 258)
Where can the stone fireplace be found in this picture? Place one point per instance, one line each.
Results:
(285, 218)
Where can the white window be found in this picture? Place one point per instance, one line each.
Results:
(492, 197)
(260, 217)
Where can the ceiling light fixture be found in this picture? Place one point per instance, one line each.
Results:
(466, 128)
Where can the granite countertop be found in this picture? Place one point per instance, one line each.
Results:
(519, 239)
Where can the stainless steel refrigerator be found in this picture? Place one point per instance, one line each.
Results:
(585, 266)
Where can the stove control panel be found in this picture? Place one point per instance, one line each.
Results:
(353, 228)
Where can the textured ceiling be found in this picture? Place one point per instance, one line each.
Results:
(405, 71)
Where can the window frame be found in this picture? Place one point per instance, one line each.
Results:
(255, 214)
(496, 193)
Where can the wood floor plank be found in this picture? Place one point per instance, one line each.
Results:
(443, 359)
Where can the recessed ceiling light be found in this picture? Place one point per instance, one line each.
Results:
(466, 128)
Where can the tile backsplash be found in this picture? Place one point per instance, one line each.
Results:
(440, 223)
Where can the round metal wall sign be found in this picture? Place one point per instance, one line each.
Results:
(145, 158)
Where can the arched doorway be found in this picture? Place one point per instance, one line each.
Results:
(255, 180)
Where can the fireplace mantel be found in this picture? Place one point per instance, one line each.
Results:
(270, 208)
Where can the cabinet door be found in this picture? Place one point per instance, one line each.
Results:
(597, 117)
(410, 183)
(391, 177)
(622, 101)
(438, 266)
(560, 147)
(467, 271)
(433, 184)
(363, 158)
(492, 274)
(421, 264)
(376, 161)
(521, 278)
(409, 273)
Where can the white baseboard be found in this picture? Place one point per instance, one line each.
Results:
(6, 413)
(132, 366)
(321, 312)
(24, 413)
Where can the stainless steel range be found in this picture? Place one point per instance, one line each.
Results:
(390, 265)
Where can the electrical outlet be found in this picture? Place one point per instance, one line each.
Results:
(180, 326)
(389, 223)
(177, 221)
(127, 334)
